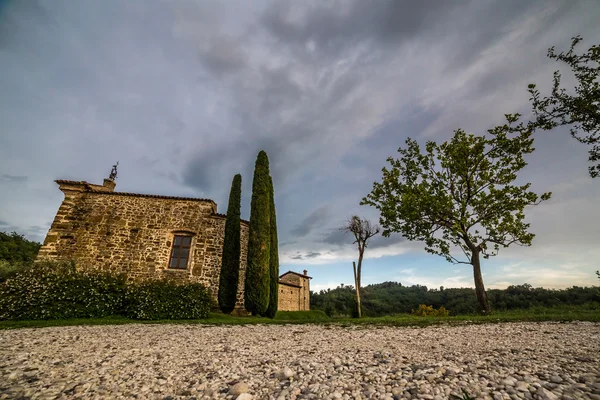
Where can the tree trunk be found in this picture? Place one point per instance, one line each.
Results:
(484, 305)
(357, 286)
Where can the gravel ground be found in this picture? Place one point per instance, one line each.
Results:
(496, 361)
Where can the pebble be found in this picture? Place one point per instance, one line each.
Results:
(556, 379)
(518, 361)
(238, 388)
(285, 374)
(509, 382)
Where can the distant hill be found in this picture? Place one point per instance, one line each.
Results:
(389, 298)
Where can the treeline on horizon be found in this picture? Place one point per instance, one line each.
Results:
(389, 298)
(15, 248)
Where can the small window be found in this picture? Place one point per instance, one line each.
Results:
(180, 252)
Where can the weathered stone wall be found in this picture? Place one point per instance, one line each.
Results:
(298, 299)
(133, 234)
(289, 298)
(123, 232)
(215, 238)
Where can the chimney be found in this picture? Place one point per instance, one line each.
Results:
(109, 184)
(305, 272)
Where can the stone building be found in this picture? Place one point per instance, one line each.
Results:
(151, 236)
(294, 291)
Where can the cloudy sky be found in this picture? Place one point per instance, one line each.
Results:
(185, 93)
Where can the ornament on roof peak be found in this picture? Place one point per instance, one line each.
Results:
(113, 172)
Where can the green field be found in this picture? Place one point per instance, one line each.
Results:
(565, 313)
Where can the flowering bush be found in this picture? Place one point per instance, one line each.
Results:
(429, 311)
(57, 290)
(8, 269)
(165, 299)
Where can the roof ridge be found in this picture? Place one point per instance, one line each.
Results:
(289, 284)
(295, 273)
(221, 215)
(157, 196)
(90, 189)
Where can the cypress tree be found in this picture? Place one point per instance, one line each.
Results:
(230, 261)
(273, 259)
(256, 287)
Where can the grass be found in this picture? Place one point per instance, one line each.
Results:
(539, 314)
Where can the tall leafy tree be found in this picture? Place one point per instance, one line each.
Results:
(230, 261)
(460, 194)
(256, 286)
(273, 260)
(580, 109)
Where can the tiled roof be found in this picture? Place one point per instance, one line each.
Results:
(289, 284)
(295, 273)
(89, 188)
(59, 181)
(225, 216)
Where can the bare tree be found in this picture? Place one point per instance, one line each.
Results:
(363, 230)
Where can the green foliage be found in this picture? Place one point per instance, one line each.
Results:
(9, 269)
(57, 290)
(580, 110)
(460, 194)
(305, 316)
(166, 299)
(390, 298)
(563, 313)
(14, 248)
(429, 311)
(51, 290)
(273, 260)
(230, 269)
(257, 283)
(461, 189)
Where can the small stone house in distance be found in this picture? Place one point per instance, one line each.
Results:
(151, 236)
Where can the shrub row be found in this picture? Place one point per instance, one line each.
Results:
(52, 290)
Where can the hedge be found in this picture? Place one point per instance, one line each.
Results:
(163, 299)
(57, 290)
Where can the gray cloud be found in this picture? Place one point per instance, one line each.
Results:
(35, 233)
(222, 55)
(306, 256)
(342, 238)
(13, 178)
(381, 242)
(337, 237)
(313, 220)
(185, 94)
(332, 27)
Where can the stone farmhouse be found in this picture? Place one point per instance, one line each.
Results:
(150, 236)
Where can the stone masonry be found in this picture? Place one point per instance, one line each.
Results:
(133, 233)
(294, 291)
